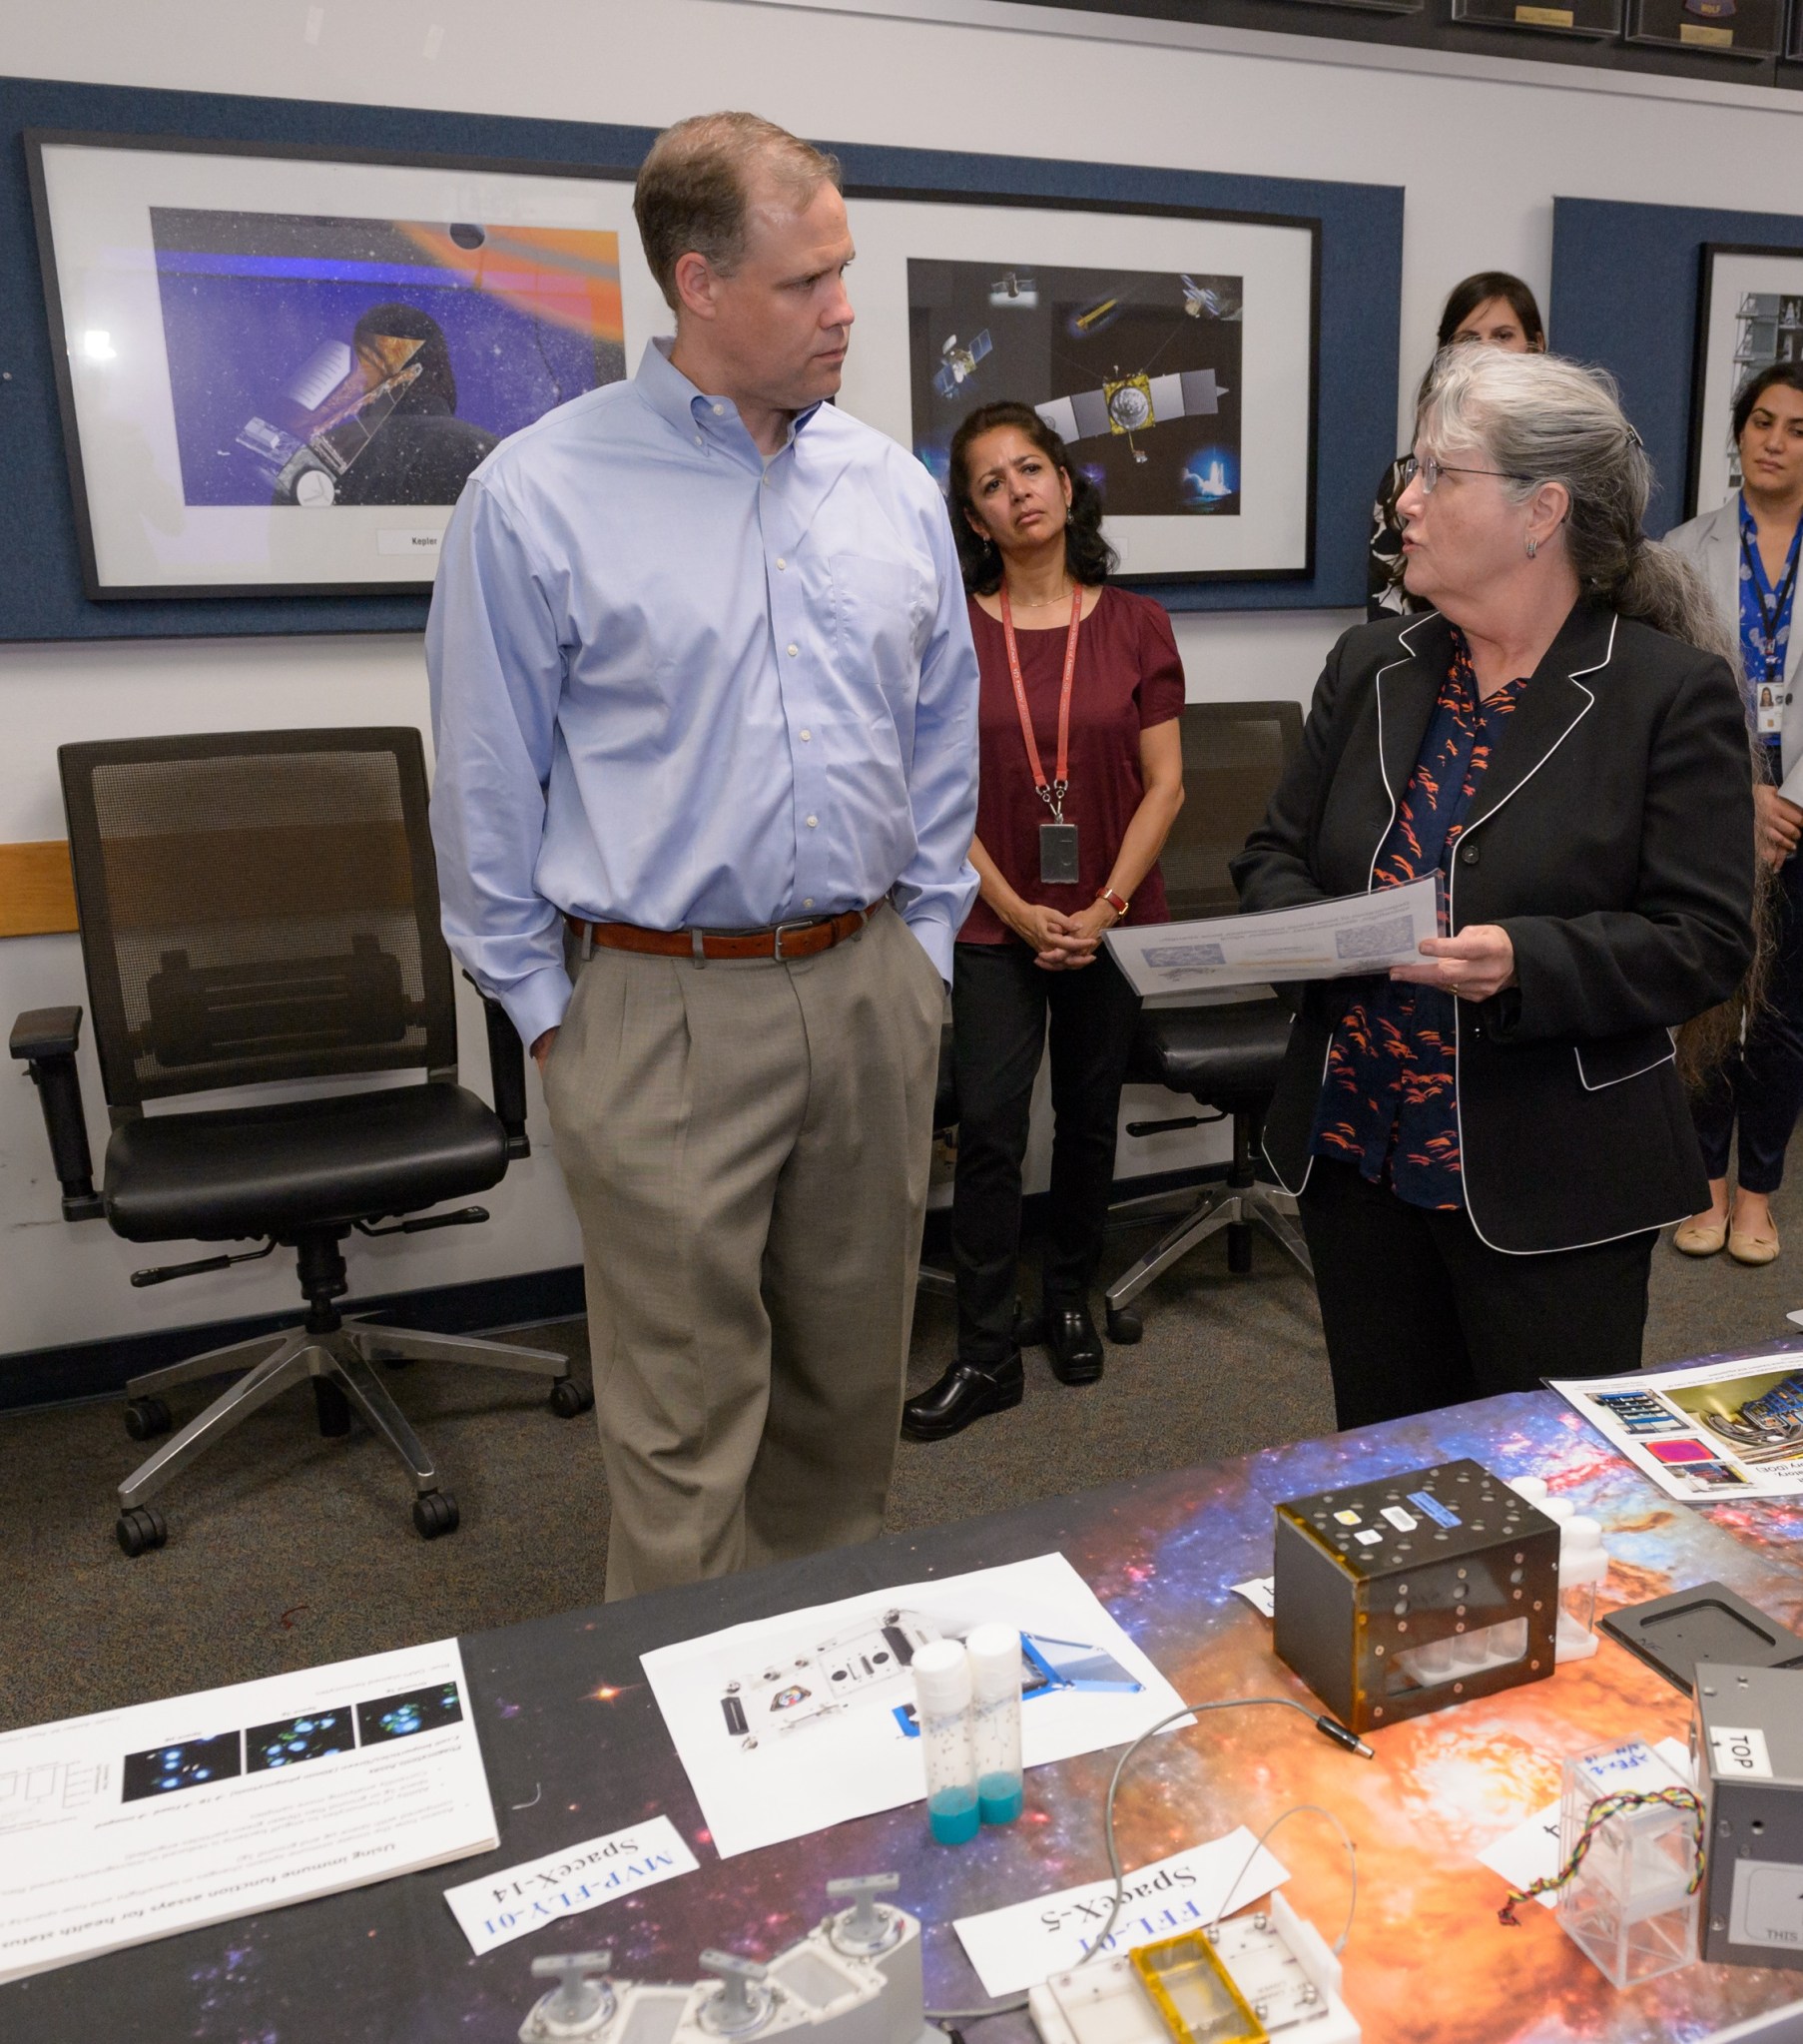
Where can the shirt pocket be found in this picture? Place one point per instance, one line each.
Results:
(1611, 1061)
(878, 608)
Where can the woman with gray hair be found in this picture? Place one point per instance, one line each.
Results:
(1486, 1143)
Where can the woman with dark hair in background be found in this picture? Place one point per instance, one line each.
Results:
(1747, 551)
(1485, 1142)
(1081, 778)
(1492, 308)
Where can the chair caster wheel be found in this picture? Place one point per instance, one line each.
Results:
(144, 1419)
(1124, 1327)
(140, 1529)
(434, 1513)
(568, 1398)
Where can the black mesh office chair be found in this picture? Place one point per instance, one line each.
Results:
(260, 906)
(1226, 1056)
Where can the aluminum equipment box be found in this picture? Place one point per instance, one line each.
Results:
(1746, 1736)
(1400, 1597)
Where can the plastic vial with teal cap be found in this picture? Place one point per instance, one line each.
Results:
(994, 1652)
(941, 1672)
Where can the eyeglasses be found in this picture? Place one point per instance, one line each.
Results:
(1429, 471)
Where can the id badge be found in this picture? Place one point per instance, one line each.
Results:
(1058, 855)
(1769, 711)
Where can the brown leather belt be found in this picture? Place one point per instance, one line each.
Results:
(802, 939)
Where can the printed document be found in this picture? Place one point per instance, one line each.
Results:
(1336, 939)
(788, 1725)
(131, 1825)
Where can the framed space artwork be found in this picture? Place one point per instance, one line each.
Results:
(1172, 351)
(1597, 19)
(276, 368)
(1736, 28)
(1749, 311)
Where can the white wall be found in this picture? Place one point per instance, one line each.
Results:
(1480, 155)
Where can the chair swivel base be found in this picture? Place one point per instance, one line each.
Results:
(340, 1362)
(1237, 1208)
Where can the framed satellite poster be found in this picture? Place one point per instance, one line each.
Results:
(278, 366)
(1174, 353)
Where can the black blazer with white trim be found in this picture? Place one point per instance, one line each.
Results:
(1612, 838)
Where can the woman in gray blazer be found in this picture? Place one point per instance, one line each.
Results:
(1748, 552)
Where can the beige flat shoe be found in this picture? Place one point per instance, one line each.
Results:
(1752, 1249)
(1702, 1236)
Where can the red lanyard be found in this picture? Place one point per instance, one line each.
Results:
(1052, 796)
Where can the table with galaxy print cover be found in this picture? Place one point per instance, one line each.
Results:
(575, 1746)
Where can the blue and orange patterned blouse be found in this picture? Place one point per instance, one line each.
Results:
(1388, 1103)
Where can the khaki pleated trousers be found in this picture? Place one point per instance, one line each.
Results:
(747, 1145)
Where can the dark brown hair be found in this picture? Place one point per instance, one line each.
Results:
(1789, 373)
(692, 189)
(1087, 555)
(1477, 289)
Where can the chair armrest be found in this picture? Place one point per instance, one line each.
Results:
(45, 1039)
(506, 1074)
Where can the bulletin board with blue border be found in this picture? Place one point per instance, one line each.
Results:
(1626, 279)
(42, 595)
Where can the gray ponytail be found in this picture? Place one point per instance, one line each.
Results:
(1540, 419)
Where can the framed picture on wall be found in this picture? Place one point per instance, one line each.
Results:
(278, 366)
(1736, 28)
(1749, 312)
(1599, 20)
(1173, 351)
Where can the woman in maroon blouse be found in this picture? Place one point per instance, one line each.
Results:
(1081, 776)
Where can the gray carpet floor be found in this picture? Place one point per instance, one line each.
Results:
(286, 1550)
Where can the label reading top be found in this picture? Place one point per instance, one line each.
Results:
(1740, 1751)
(1427, 1502)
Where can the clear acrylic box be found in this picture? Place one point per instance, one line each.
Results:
(1627, 1908)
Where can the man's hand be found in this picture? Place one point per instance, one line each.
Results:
(1777, 825)
(541, 1049)
(1476, 964)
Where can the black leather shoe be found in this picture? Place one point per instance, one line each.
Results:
(966, 1392)
(1076, 1348)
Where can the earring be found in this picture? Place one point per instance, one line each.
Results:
(1534, 547)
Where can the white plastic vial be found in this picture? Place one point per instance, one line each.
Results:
(941, 1672)
(1582, 1563)
(994, 1652)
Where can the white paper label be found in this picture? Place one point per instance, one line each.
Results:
(1018, 1946)
(1740, 1751)
(393, 541)
(1767, 1907)
(1260, 1592)
(507, 1905)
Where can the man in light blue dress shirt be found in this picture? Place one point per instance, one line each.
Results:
(703, 701)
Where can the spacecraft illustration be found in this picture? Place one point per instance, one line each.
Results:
(1765, 1429)
(1012, 288)
(871, 1663)
(344, 398)
(1134, 403)
(959, 362)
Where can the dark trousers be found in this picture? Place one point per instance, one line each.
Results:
(1760, 1087)
(1420, 1313)
(1001, 1003)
